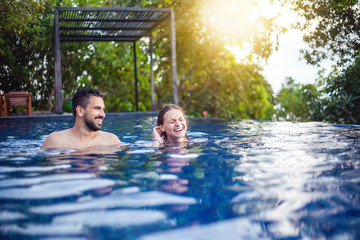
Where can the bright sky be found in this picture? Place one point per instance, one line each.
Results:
(286, 63)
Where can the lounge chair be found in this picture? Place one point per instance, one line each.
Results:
(16, 99)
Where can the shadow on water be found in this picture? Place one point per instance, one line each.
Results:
(234, 180)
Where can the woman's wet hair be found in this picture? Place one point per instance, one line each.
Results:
(82, 98)
(165, 109)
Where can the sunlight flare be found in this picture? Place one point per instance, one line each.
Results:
(236, 22)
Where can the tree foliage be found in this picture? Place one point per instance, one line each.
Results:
(295, 102)
(209, 77)
(341, 96)
(335, 98)
(333, 29)
(25, 48)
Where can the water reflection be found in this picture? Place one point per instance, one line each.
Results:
(282, 165)
(175, 160)
(248, 179)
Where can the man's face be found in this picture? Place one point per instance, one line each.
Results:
(94, 113)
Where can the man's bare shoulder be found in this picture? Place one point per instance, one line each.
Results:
(109, 138)
(58, 139)
(69, 139)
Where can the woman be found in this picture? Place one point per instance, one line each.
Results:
(171, 126)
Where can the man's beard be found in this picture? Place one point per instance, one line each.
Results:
(91, 124)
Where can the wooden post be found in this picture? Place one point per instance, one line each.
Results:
(152, 74)
(173, 58)
(1, 106)
(29, 112)
(136, 79)
(57, 64)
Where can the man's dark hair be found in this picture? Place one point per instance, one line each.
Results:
(82, 98)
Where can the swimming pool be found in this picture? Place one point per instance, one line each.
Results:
(236, 180)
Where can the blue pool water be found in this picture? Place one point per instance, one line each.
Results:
(236, 180)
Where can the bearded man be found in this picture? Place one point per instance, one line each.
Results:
(89, 112)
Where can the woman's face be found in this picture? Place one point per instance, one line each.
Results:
(174, 125)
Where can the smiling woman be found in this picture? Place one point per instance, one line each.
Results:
(171, 126)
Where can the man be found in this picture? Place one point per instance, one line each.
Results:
(89, 112)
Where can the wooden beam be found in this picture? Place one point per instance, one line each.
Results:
(57, 65)
(136, 78)
(140, 28)
(108, 20)
(173, 58)
(85, 38)
(152, 82)
(82, 39)
(105, 9)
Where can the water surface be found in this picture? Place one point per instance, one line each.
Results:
(235, 180)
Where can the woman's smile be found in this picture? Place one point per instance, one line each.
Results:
(174, 125)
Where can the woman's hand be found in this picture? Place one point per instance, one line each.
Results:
(156, 135)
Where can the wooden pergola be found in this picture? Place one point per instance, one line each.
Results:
(118, 24)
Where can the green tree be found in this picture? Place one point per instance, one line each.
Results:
(340, 100)
(26, 57)
(209, 77)
(332, 32)
(296, 102)
(333, 29)
(25, 48)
